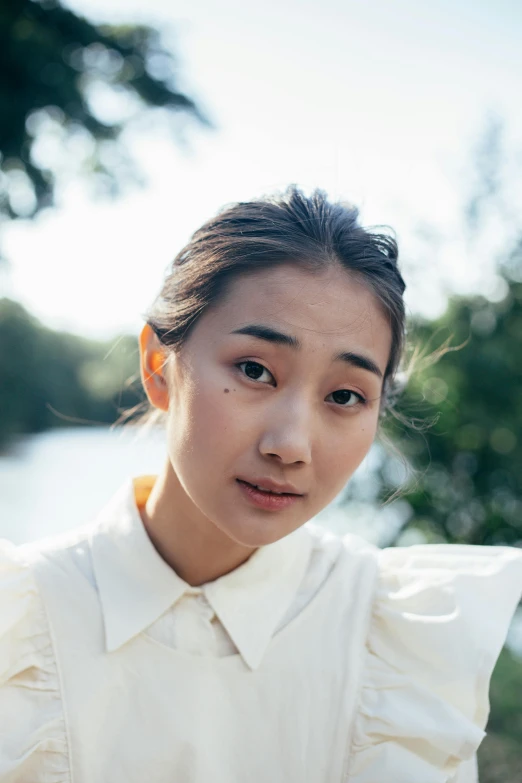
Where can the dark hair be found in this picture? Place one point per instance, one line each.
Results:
(289, 228)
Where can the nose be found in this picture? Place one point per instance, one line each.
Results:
(287, 434)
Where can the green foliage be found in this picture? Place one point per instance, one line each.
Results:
(55, 379)
(53, 63)
(499, 759)
(468, 483)
(500, 754)
(506, 687)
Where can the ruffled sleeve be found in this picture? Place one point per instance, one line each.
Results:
(33, 746)
(440, 618)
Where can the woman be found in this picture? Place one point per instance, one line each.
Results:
(198, 629)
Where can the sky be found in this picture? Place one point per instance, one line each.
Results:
(381, 103)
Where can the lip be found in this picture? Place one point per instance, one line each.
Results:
(273, 486)
(266, 501)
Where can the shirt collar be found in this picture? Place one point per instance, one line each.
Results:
(136, 585)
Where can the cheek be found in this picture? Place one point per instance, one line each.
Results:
(210, 420)
(343, 455)
(363, 435)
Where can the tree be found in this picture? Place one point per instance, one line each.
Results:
(467, 484)
(55, 67)
(55, 379)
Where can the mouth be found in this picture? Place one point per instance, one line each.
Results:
(266, 499)
(268, 491)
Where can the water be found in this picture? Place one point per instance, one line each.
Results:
(60, 479)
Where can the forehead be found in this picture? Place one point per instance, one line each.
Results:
(331, 300)
(318, 307)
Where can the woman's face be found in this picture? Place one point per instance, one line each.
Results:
(297, 406)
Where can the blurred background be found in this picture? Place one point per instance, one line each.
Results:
(125, 125)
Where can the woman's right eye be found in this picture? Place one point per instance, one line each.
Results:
(254, 370)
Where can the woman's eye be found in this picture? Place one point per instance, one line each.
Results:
(253, 370)
(347, 398)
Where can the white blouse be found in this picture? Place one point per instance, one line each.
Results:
(320, 659)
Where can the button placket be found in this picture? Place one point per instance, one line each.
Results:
(194, 631)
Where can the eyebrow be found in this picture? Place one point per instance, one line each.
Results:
(276, 337)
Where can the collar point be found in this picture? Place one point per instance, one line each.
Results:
(114, 640)
(253, 659)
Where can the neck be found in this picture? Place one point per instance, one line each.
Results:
(190, 543)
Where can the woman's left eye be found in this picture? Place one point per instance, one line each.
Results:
(349, 398)
(346, 398)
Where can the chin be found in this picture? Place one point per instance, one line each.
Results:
(259, 532)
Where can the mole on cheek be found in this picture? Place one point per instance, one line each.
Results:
(226, 391)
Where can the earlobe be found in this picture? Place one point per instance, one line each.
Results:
(152, 365)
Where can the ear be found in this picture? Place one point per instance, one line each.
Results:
(152, 368)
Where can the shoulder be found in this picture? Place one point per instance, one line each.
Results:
(63, 556)
(27, 571)
(31, 715)
(438, 620)
(474, 588)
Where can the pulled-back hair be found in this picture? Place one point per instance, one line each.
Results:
(309, 231)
